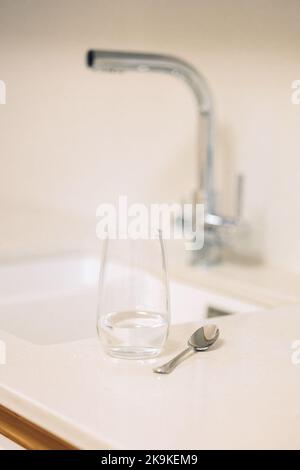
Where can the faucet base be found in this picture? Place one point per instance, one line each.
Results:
(212, 251)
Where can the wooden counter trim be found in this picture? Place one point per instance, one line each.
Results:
(27, 434)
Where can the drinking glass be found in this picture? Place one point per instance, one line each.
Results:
(133, 308)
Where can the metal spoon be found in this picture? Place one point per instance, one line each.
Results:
(200, 340)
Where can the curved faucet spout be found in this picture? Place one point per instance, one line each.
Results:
(118, 61)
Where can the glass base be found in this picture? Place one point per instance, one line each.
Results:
(133, 353)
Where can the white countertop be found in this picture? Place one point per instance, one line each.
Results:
(243, 393)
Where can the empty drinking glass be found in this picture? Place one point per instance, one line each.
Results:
(133, 310)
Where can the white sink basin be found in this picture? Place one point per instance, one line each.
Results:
(54, 300)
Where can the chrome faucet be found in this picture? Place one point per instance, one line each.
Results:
(118, 61)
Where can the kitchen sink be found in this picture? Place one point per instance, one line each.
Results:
(54, 299)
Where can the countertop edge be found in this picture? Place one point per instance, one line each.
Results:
(49, 421)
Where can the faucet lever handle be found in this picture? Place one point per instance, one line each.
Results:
(240, 195)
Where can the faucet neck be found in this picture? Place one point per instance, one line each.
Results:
(119, 61)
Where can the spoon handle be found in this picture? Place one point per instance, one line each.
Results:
(169, 366)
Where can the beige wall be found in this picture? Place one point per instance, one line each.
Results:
(71, 138)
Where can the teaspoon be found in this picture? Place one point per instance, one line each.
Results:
(200, 340)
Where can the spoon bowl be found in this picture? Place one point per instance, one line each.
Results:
(204, 337)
